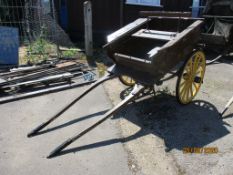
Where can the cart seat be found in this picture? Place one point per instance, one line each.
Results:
(211, 39)
(155, 34)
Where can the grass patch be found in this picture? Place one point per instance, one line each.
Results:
(101, 69)
(37, 51)
(69, 53)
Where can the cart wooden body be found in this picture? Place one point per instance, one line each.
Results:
(149, 48)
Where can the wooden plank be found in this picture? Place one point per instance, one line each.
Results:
(155, 34)
(153, 51)
(172, 17)
(66, 64)
(131, 58)
(128, 28)
(88, 28)
(165, 13)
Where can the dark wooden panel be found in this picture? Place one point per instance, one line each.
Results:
(132, 11)
(106, 14)
(177, 5)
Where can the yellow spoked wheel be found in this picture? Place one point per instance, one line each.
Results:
(191, 78)
(126, 80)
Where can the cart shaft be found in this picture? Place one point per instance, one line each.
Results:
(94, 85)
(227, 106)
(136, 91)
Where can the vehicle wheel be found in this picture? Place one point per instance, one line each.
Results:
(191, 77)
(126, 80)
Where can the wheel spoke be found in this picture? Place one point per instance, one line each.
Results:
(195, 66)
(182, 84)
(198, 72)
(191, 90)
(183, 94)
(188, 67)
(196, 87)
(183, 89)
(187, 94)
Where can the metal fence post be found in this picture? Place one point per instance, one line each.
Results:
(55, 32)
(88, 28)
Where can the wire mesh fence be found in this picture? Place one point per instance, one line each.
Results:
(40, 34)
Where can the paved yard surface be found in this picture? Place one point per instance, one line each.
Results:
(27, 156)
(146, 137)
(156, 129)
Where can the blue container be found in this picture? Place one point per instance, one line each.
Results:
(9, 46)
(64, 15)
(196, 8)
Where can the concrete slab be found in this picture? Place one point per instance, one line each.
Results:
(26, 156)
(157, 129)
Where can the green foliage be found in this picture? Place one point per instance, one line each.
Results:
(69, 53)
(39, 50)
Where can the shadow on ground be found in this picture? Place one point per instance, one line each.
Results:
(224, 59)
(195, 125)
(72, 122)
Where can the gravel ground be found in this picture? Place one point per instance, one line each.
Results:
(156, 129)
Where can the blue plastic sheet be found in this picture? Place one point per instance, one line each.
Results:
(9, 46)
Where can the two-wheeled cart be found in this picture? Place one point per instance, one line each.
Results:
(147, 50)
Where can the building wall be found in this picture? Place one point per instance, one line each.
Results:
(132, 11)
(107, 14)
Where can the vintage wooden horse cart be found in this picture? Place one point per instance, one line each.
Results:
(147, 50)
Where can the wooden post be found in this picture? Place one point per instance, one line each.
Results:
(88, 28)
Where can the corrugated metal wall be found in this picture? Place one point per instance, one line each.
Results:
(106, 14)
